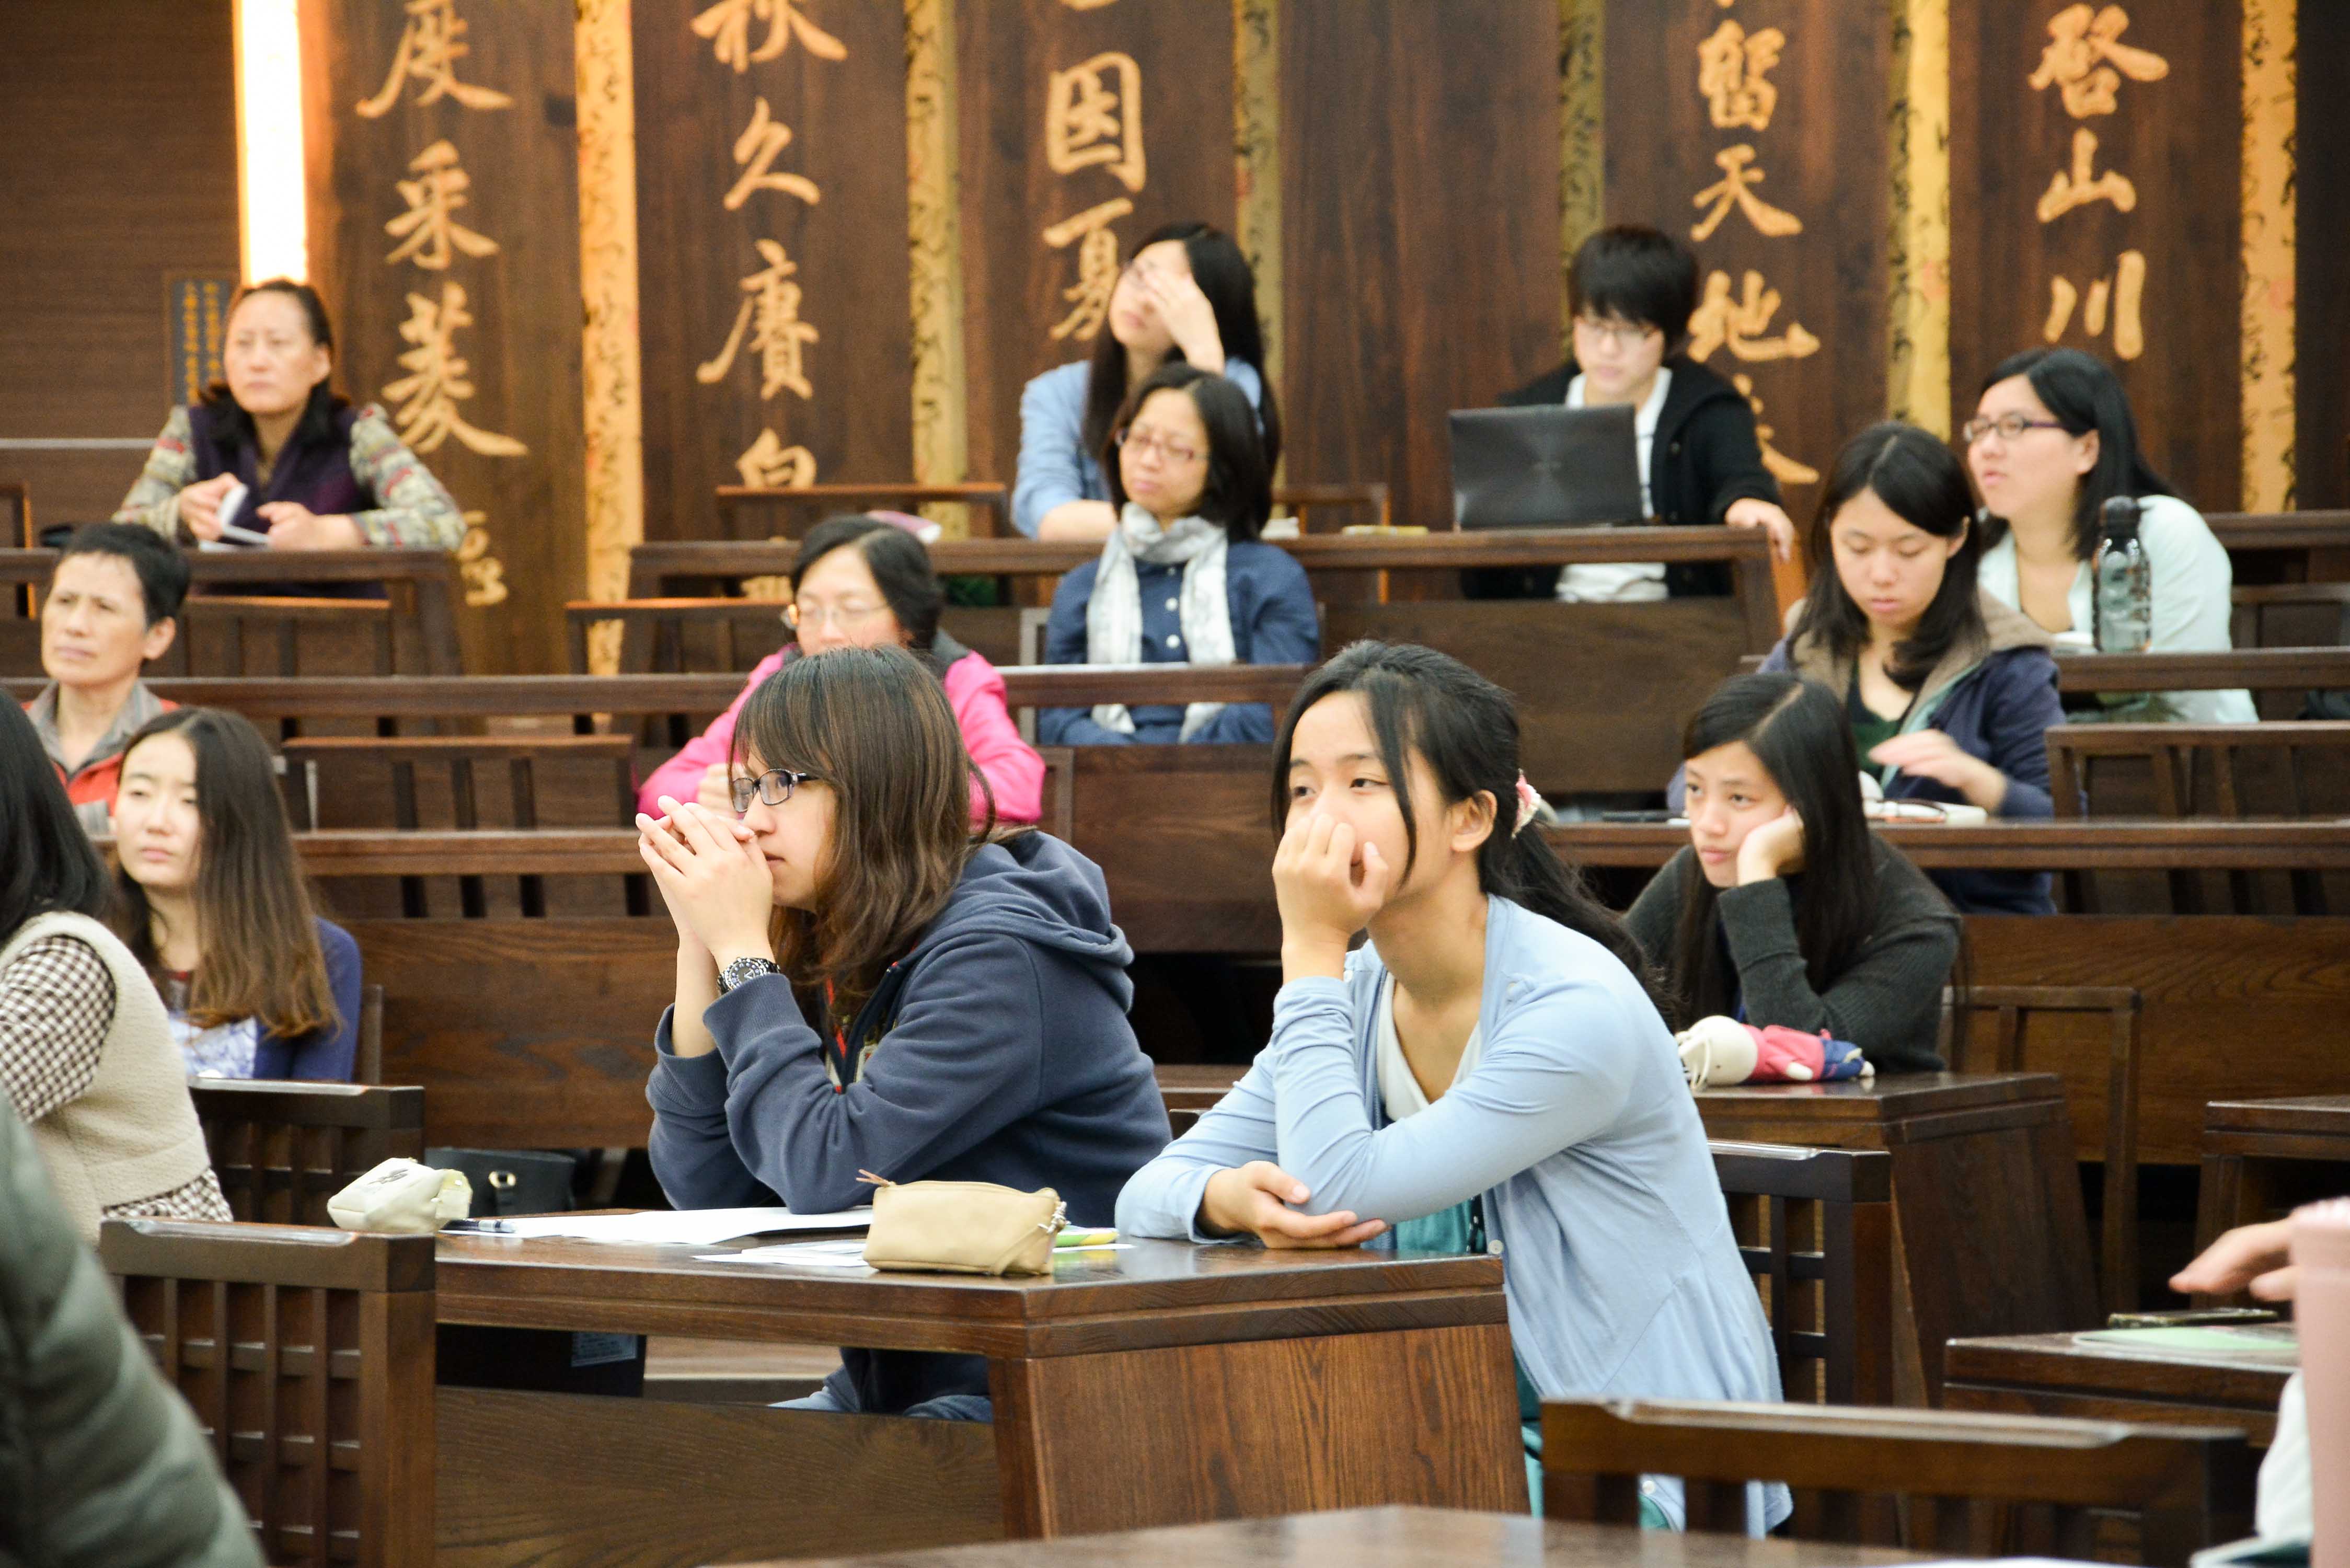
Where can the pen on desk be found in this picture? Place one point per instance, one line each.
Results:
(482, 1227)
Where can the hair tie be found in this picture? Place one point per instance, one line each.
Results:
(1530, 805)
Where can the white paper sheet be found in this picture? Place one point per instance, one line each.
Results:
(842, 1254)
(686, 1227)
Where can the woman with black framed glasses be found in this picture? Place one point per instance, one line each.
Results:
(1183, 577)
(865, 984)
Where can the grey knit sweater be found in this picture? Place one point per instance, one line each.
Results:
(1887, 1001)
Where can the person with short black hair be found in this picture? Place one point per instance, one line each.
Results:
(2052, 440)
(85, 1054)
(861, 581)
(1184, 577)
(322, 475)
(1631, 291)
(113, 604)
(1187, 296)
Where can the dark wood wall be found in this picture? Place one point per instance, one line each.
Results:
(118, 168)
(2322, 364)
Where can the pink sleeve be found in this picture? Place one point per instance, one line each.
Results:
(681, 776)
(1013, 769)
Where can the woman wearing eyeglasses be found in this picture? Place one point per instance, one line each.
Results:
(2052, 442)
(1183, 577)
(860, 582)
(965, 993)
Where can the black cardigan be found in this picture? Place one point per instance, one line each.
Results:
(1706, 456)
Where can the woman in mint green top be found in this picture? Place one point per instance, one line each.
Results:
(1490, 1067)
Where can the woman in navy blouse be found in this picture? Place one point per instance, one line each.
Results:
(1183, 577)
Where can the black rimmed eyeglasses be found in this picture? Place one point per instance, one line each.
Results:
(773, 787)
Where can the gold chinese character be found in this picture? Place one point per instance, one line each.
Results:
(437, 381)
(428, 226)
(1720, 321)
(2079, 188)
(1783, 469)
(1096, 266)
(1733, 69)
(1736, 188)
(2124, 291)
(2078, 40)
(429, 52)
(728, 25)
(771, 309)
(1089, 121)
(485, 573)
(768, 464)
(754, 149)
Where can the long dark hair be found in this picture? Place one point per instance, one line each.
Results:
(227, 416)
(2083, 394)
(1224, 275)
(874, 725)
(255, 915)
(50, 867)
(1466, 727)
(901, 568)
(1796, 730)
(1237, 494)
(1921, 483)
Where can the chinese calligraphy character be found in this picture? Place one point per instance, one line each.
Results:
(2079, 188)
(437, 381)
(1736, 188)
(771, 309)
(428, 230)
(2078, 40)
(485, 573)
(428, 53)
(1096, 266)
(1783, 469)
(768, 464)
(1733, 69)
(1720, 321)
(755, 149)
(728, 26)
(1089, 121)
(2124, 290)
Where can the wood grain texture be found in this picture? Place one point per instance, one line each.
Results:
(100, 210)
(523, 347)
(1423, 1416)
(2057, 1375)
(2176, 140)
(2322, 167)
(1013, 281)
(1449, 169)
(603, 1482)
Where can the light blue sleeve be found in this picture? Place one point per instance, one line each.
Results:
(1163, 1199)
(1052, 446)
(2192, 579)
(1243, 375)
(1558, 1069)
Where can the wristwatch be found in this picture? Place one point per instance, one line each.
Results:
(743, 968)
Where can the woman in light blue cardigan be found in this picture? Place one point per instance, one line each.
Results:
(1490, 1070)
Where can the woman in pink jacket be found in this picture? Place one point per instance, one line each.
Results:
(861, 582)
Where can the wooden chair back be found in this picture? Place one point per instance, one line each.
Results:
(2316, 615)
(226, 634)
(676, 635)
(988, 505)
(282, 1149)
(1815, 1228)
(1965, 1479)
(367, 1061)
(308, 1355)
(2009, 1011)
(1060, 803)
(17, 496)
(318, 774)
(1313, 504)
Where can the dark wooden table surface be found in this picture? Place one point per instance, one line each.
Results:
(2061, 1375)
(1157, 1384)
(1979, 1161)
(1393, 1538)
(2244, 1141)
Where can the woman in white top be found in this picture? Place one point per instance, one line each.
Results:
(2051, 443)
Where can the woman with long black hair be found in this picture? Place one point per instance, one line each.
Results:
(1491, 1068)
(1786, 909)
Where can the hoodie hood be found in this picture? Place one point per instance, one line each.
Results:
(2005, 628)
(1033, 887)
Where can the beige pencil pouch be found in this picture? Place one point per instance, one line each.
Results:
(962, 1227)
